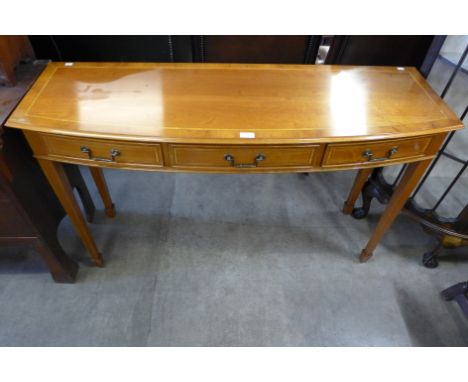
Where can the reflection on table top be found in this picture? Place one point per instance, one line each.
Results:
(216, 102)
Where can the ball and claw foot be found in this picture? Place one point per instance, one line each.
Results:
(429, 260)
(110, 212)
(359, 213)
(365, 256)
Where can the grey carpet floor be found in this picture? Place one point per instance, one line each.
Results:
(228, 260)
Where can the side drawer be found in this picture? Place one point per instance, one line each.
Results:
(112, 153)
(375, 152)
(236, 158)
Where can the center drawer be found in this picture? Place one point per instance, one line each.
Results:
(238, 158)
(109, 152)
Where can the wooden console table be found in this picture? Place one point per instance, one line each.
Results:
(223, 118)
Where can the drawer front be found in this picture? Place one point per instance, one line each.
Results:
(237, 158)
(112, 153)
(376, 152)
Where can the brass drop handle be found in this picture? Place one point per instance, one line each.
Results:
(231, 160)
(113, 153)
(368, 154)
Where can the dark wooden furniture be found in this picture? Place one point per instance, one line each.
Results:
(256, 49)
(113, 48)
(25, 219)
(273, 49)
(30, 211)
(227, 118)
(379, 50)
(222, 48)
(13, 49)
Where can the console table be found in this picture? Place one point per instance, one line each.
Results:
(231, 118)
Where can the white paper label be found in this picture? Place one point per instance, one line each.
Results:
(247, 134)
(68, 64)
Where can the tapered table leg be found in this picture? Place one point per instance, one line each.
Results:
(410, 178)
(101, 185)
(58, 180)
(359, 181)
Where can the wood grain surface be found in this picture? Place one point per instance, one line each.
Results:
(214, 103)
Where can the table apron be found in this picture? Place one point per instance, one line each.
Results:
(219, 158)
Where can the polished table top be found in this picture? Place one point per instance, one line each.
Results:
(219, 103)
